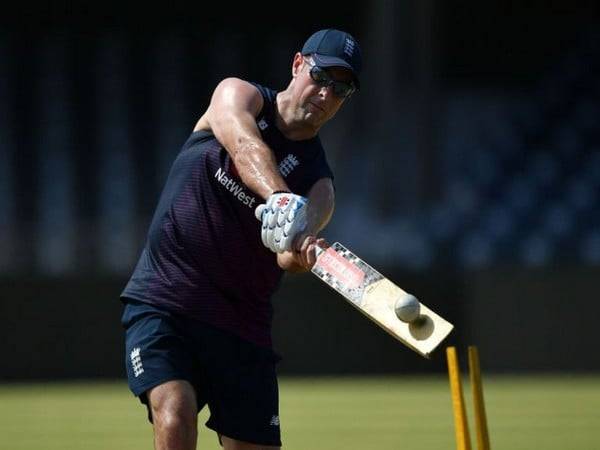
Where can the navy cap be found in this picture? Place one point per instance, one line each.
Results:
(335, 48)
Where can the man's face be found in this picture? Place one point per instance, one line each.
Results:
(317, 103)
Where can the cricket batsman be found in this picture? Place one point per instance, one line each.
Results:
(197, 308)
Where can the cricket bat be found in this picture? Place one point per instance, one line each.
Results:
(375, 296)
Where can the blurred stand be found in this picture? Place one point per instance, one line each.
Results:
(8, 221)
(466, 177)
(467, 169)
(55, 225)
(117, 212)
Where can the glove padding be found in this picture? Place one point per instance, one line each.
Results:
(283, 218)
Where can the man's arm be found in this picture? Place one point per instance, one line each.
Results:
(231, 116)
(321, 202)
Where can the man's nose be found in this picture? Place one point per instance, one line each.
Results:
(326, 91)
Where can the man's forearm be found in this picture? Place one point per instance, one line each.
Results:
(257, 167)
(320, 206)
(232, 118)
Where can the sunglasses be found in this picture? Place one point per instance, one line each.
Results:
(341, 89)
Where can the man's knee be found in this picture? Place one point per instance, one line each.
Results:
(174, 419)
(173, 406)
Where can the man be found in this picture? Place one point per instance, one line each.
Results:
(197, 307)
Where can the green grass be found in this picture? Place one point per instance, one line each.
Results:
(528, 413)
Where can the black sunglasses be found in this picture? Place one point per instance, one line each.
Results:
(341, 89)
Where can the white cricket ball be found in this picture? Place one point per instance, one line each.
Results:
(407, 308)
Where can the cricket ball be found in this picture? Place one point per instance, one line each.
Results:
(407, 308)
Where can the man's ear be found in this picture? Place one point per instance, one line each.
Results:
(297, 64)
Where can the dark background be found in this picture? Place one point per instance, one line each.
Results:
(467, 170)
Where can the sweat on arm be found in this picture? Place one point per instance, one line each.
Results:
(231, 116)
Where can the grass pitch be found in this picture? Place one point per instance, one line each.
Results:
(544, 412)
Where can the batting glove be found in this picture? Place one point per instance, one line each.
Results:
(283, 218)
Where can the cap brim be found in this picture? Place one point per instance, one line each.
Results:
(333, 61)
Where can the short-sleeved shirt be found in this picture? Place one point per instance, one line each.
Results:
(203, 256)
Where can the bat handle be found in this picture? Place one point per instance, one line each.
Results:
(321, 249)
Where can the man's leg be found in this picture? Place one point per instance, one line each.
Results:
(232, 444)
(174, 415)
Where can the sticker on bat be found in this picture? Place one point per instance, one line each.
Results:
(341, 269)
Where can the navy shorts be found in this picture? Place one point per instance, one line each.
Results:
(235, 378)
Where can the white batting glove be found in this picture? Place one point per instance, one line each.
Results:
(283, 218)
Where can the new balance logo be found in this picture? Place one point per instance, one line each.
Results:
(289, 163)
(136, 362)
(274, 421)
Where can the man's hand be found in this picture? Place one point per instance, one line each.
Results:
(283, 219)
(303, 259)
(307, 255)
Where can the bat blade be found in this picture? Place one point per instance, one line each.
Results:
(375, 296)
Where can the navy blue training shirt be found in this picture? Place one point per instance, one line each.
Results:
(203, 255)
